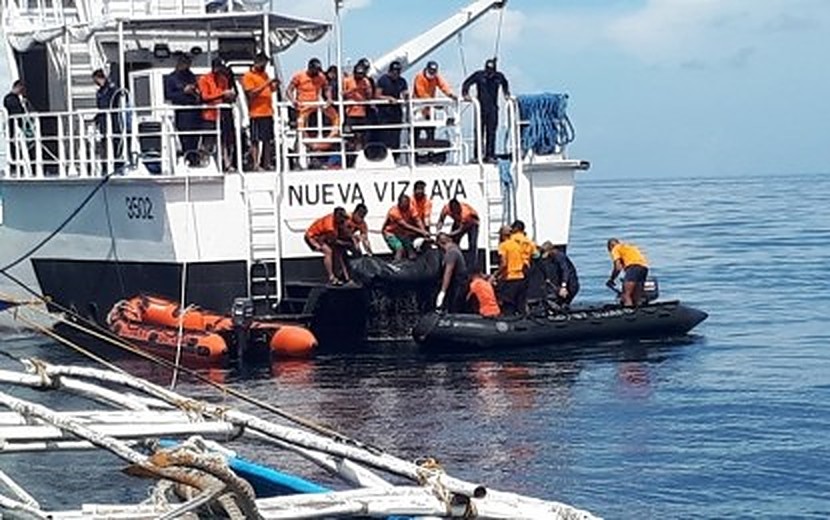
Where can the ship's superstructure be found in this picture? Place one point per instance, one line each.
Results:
(101, 204)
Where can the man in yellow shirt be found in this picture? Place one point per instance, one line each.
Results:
(528, 247)
(626, 257)
(512, 285)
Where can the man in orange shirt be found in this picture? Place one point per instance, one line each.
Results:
(628, 258)
(358, 88)
(422, 206)
(425, 86)
(482, 295)
(215, 89)
(323, 236)
(511, 275)
(259, 89)
(464, 222)
(306, 89)
(401, 228)
(359, 230)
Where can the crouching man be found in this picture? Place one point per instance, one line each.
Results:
(323, 236)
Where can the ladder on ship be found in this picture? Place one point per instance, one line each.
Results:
(261, 193)
(496, 216)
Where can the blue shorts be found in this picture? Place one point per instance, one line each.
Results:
(635, 274)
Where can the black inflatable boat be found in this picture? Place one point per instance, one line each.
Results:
(601, 323)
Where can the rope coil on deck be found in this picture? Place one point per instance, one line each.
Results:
(546, 128)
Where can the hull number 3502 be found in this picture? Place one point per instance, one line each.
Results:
(139, 208)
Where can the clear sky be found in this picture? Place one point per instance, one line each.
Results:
(659, 88)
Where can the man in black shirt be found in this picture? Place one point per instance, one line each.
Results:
(13, 103)
(393, 88)
(106, 100)
(560, 273)
(180, 88)
(487, 83)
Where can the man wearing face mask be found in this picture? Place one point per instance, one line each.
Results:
(487, 83)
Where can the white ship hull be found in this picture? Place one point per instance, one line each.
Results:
(135, 234)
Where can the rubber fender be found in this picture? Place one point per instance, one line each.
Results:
(292, 341)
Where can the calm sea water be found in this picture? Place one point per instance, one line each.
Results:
(732, 422)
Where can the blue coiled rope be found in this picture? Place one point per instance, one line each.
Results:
(545, 127)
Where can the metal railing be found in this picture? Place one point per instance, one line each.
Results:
(314, 140)
(46, 13)
(146, 140)
(126, 141)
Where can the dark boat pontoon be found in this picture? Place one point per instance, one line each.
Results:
(552, 328)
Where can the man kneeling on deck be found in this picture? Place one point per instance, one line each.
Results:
(628, 258)
(323, 236)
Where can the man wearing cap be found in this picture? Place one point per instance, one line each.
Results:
(426, 84)
(306, 89)
(215, 89)
(358, 89)
(487, 83)
(392, 88)
(259, 89)
(181, 89)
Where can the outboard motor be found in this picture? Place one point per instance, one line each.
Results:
(651, 290)
(242, 312)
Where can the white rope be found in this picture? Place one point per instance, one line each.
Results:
(498, 31)
(183, 293)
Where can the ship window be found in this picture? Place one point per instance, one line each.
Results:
(142, 91)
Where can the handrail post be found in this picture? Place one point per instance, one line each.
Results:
(38, 149)
(108, 145)
(237, 140)
(410, 103)
(61, 147)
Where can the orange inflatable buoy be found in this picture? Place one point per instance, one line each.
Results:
(292, 341)
(167, 313)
